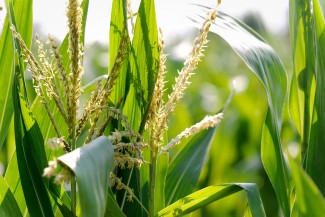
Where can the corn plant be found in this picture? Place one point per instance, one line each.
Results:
(299, 188)
(111, 156)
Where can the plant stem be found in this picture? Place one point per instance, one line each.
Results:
(73, 195)
(73, 179)
(125, 193)
(152, 181)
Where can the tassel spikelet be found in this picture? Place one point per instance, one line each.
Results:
(40, 81)
(207, 122)
(159, 113)
(74, 14)
(182, 81)
(100, 98)
(119, 185)
(49, 75)
(59, 65)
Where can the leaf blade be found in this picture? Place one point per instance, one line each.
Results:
(266, 65)
(211, 194)
(91, 165)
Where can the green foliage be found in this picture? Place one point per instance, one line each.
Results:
(9, 206)
(168, 181)
(188, 162)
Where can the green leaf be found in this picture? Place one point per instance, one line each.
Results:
(302, 90)
(8, 204)
(6, 75)
(211, 194)
(118, 27)
(185, 168)
(144, 63)
(91, 165)
(140, 82)
(112, 208)
(161, 176)
(91, 85)
(28, 141)
(31, 156)
(24, 23)
(315, 162)
(266, 65)
(309, 199)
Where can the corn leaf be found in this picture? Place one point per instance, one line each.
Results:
(266, 65)
(91, 165)
(211, 194)
(302, 90)
(118, 27)
(112, 208)
(24, 23)
(8, 204)
(31, 155)
(309, 199)
(161, 176)
(315, 162)
(185, 168)
(140, 82)
(144, 62)
(6, 78)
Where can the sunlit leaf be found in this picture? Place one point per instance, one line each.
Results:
(302, 90)
(24, 23)
(142, 73)
(266, 65)
(8, 204)
(211, 194)
(309, 199)
(185, 169)
(118, 27)
(144, 61)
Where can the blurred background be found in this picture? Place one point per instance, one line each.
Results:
(235, 153)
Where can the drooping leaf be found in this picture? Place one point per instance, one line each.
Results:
(91, 165)
(185, 169)
(266, 65)
(309, 199)
(211, 194)
(8, 204)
